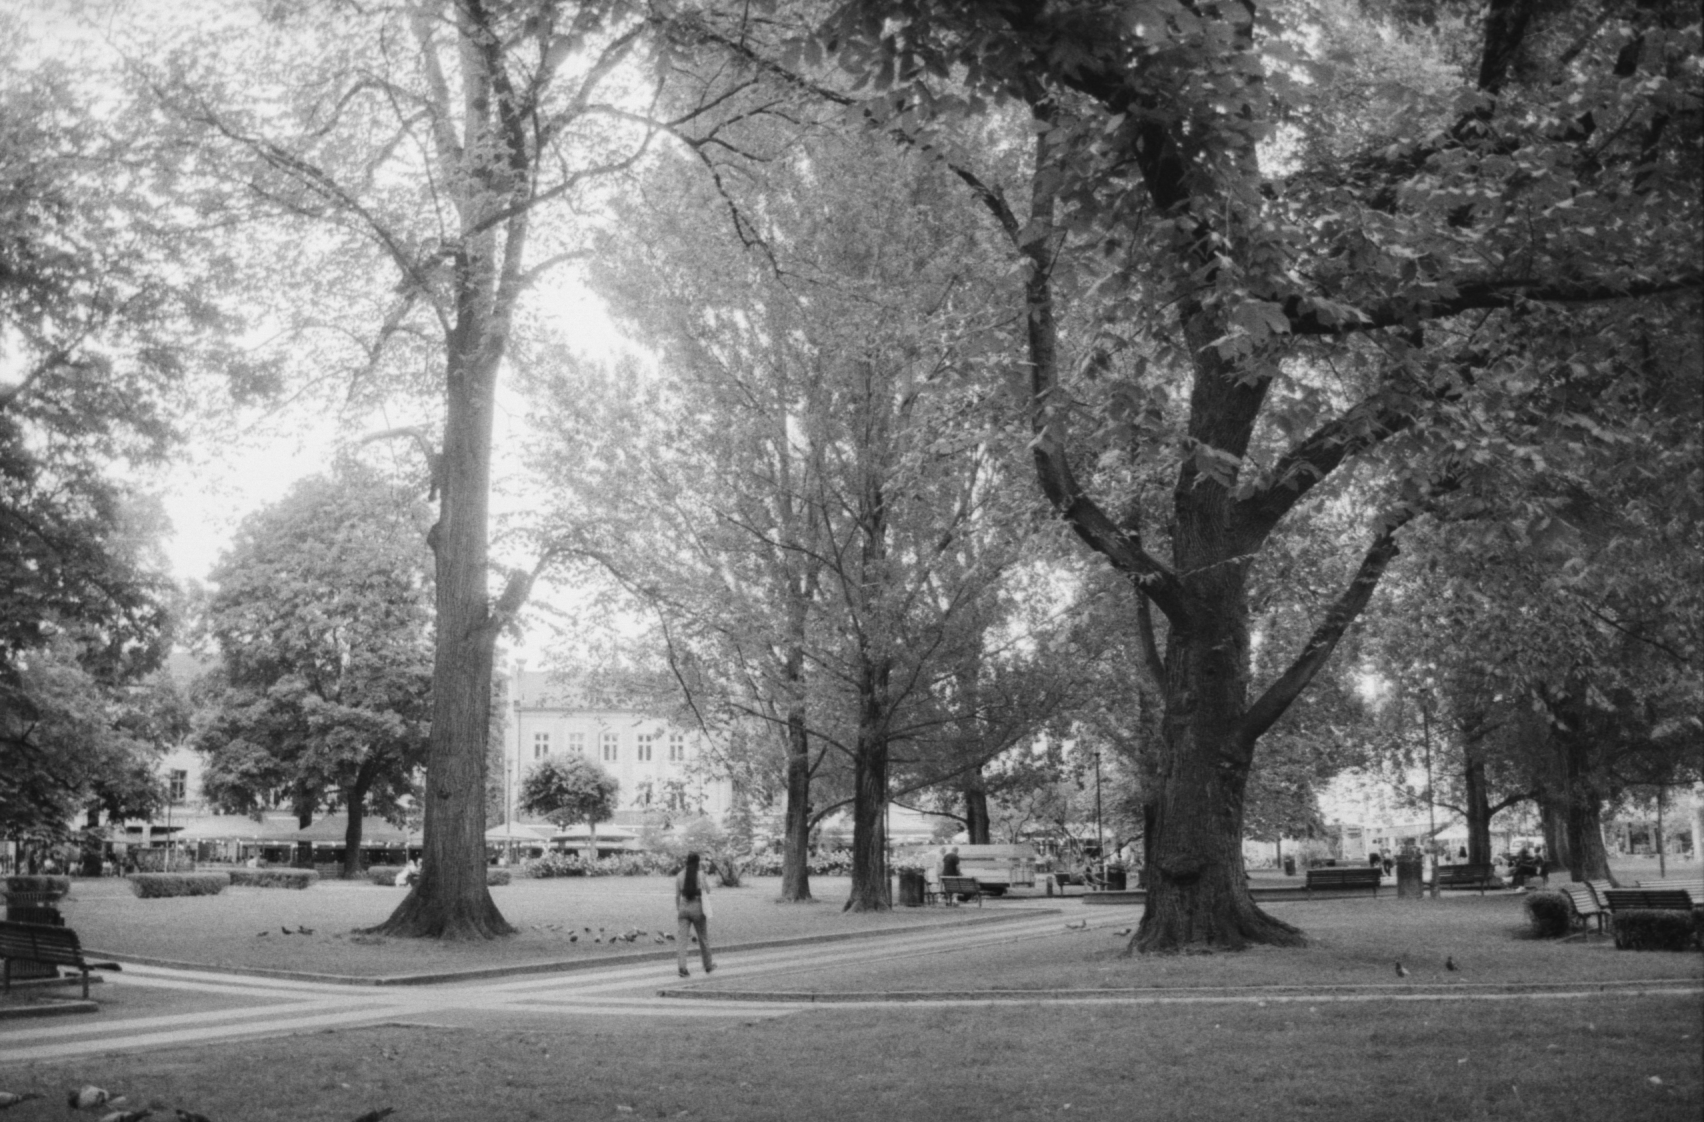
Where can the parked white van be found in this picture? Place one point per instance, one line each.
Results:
(995, 867)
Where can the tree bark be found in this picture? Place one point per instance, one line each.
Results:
(796, 838)
(1197, 891)
(1477, 811)
(977, 826)
(355, 803)
(1580, 811)
(451, 899)
(871, 890)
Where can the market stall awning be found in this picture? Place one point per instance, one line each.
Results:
(520, 832)
(333, 828)
(276, 828)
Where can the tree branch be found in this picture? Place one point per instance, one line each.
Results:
(1281, 693)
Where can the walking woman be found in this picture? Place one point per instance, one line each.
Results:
(692, 912)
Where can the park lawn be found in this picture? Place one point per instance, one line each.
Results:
(1607, 1057)
(1353, 942)
(224, 931)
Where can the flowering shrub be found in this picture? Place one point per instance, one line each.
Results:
(616, 865)
(836, 864)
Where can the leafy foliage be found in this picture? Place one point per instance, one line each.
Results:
(567, 789)
(323, 623)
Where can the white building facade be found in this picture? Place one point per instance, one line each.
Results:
(663, 767)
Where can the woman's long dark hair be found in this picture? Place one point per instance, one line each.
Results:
(689, 887)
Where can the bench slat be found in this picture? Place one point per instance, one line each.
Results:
(54, 946)
(961, 886)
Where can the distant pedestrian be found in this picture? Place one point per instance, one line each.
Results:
(692, 913)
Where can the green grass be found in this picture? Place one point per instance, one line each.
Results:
(1542, 1061)
(1606, 1056)
(224, 930)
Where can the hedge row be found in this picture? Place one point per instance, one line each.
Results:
(152, 886)
(1648, 929)
(273, 878)
(46, 884)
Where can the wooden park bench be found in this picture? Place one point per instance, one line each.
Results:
(1587, 906)
(954, 887)
(1349, 876)
(1660, 899)
(53, 946)
(1693, 888)
(1466, 876)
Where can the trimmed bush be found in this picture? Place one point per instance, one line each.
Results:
(1551, 913)
(1652, 929)
(384, 874)
(496, 877)
(156, 886)
(273, 878)
(47, 886)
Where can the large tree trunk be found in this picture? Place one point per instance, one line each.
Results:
(977, 826)
(1580, 811)
(91, 854)
(871, 890)
(1197, 892)
(355, 806)
(1478, 811)
(796, 843)
(451, 900)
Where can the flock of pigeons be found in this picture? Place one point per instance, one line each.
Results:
(111, 1106)
(631, 935)
(602, 935)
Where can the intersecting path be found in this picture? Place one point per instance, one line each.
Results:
(219, 1007)
(241, 1006)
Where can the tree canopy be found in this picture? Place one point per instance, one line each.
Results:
(322, 618)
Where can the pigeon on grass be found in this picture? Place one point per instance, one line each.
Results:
(8, 1099)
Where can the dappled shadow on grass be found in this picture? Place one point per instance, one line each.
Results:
(560, 920)
(1353, 942)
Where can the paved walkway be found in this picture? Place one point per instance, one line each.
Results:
(204, 1007)
(209, 1007)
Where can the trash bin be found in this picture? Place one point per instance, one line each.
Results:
(1289, 866)
(911, 888)
(1115, 878)
(1410, 875)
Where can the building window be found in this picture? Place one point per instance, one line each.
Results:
(643, 752)
(577, 743)
(541, 745)
(677, 747)
(178, 785)
(611, 742)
